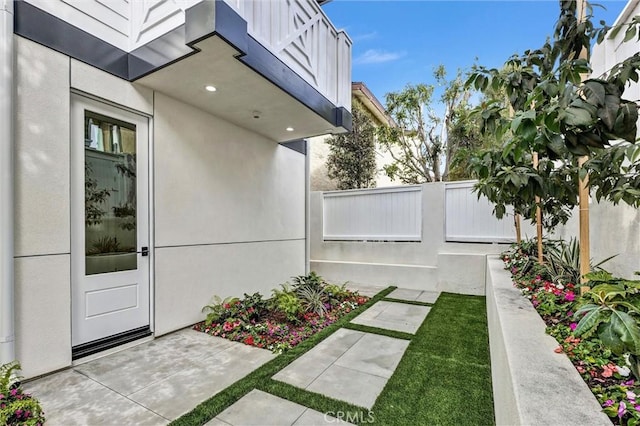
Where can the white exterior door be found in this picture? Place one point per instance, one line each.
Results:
(109, 223)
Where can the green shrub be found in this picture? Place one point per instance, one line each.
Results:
(311, 281)
(218, 309)
(611, 310)
(563, 261)
(338, 293)
(313, 299)
(17, 407)
(287, 302)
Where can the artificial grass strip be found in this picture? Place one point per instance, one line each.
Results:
(444, 377)
(407, 302)
(257, 378)
(376, 330)
(456, 328)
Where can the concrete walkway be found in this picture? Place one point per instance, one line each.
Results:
(158, 381)
(149, 384)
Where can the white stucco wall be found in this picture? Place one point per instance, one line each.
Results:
(229, 205)
(614, 230)
(229, 212)
(42, 231)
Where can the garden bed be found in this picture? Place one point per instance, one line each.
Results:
(574, 323)
(531, 383)
(293, 314)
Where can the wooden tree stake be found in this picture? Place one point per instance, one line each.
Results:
(583, 185)
(538, 216)
(583, 194)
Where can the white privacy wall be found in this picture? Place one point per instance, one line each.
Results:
(389, 214)
(397, 236)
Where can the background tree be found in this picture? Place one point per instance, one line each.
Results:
(424, 144)
(352, 157)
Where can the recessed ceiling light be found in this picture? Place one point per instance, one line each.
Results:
(289, 129)
(210, 88)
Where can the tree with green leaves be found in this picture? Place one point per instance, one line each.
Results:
(352, 157)
(561, 118)
(418, 145)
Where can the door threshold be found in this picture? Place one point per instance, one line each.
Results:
(115, 341)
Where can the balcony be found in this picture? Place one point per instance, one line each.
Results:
(276, 64)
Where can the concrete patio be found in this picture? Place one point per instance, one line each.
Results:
(160, 380)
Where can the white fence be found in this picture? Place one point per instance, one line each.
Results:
(469, 219)
(385, 214)
(395, 214)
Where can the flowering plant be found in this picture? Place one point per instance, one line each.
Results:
(282, 322)
(17, 407)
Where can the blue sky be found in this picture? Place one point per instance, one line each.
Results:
(400, 42)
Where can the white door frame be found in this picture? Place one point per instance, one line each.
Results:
(80, 101)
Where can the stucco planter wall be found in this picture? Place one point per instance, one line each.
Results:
(532, 385)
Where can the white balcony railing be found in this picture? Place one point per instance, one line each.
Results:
(296, 31)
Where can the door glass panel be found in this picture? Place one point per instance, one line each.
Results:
(110, 194)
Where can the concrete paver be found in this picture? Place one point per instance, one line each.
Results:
(357, 375)
(262, 409)
(349, 385)
(428, 297)
(304, 370)
(366, 289)
(414, 295)
(393, 316)
(374, 354)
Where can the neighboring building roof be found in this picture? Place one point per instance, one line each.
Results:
(361, 92)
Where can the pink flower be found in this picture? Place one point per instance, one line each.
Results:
(570, 296)
(608, 403)
(608, 370)
(622, 409)
(573, 326)
(14, 392)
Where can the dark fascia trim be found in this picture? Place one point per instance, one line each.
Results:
(203, 20)
(298, 145)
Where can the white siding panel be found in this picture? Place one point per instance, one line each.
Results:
(105, 19)
(390, 214)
